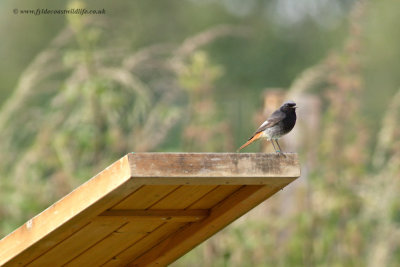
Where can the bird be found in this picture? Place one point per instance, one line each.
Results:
(278, 124)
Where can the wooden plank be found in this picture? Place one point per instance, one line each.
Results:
(154, 181)
(113, 244)
(214, 168)
(215, 196)
(77, 243)
(207, 201)
(192, 215)
(67, 216)
(143, 245)
(141, 198)
(227, 211)
(145, 197)
(183, 197)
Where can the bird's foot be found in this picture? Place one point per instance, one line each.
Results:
(280, 153)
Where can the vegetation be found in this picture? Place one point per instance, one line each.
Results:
(189, 79)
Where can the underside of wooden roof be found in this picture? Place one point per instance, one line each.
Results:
(148, 209)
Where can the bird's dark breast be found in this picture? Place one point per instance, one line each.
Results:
(288, 123)
(283, 127)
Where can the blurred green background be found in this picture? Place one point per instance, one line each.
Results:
(79, 92)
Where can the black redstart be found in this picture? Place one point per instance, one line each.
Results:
(278, 124)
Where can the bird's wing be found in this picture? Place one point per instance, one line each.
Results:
(275, 117)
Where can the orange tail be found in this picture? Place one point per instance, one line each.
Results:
(251, 140)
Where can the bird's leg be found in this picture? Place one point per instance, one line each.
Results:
(280, 150)
(272, 141)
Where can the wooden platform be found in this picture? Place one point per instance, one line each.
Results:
(148, 209)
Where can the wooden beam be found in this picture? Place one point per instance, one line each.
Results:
(160, 215)
(214, 168)
(178, 244)
(67, 216)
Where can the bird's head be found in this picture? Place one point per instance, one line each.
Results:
(289, 105)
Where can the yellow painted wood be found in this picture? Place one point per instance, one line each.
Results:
(67, 216)
(215, 196)
(180, 215)
(137, 249)
(77, 243)
(145, 197)
(183, 197)
(148, 209)
(183, 241)
(120, 239)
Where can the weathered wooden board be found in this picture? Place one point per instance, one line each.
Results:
(148, 209)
